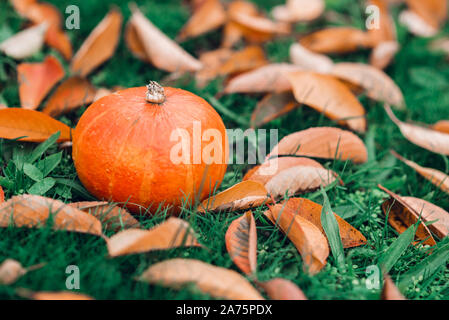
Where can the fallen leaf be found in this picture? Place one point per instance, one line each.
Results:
(441, 126)
(31, 125)
(233, 32)
(336, 40)
(282, 289)
(385, 31)
(25, 43)
(416, 24)
(309, 60)
(37, 79)
(390, 291)
(113, 216)
(247, 59)
(172, 233)
(34, 211)
(322, 142)
(21, 6)
(272, 106)
(383, 54)
(212, 61)
(426, 138)
(2, 195)
(242, 196)
(163, 52)
(71, 94)
(60, 41)
(299, 10)
(10, 271)
(307, 238)
(430, 213)
(378, 85)
(215, 281)
(401, 216)
(269, 78)
(433, 12)
(209, 16)
(47, 295)
(326, 94)
(311, 211)
(241, 243)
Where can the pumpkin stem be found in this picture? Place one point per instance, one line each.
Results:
(155, 93)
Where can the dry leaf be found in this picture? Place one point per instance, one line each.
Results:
(322, 142)
(32, 125)
(416, 24)
(25, 43)
(247, 59)
(241, 243)
(233, 31)
(113, 216)
(336, 40)
(426, 138)
(99, 46)
(33, 211)
(390, 291)
(215, 281)
(299, 10)
(212, 61)
(59, 40)
(209, 16)
(309, 60)
(242, 196)
(269, 78)
(163, 52)
(433, 12)
(441, 126)
(46, 295)
(430, 213)
(307, 238)
(37, 79)
(71, 94)
(282, 289)
(386, 30)
(383, 54)
(311, 211)
(10, 271)
(326, 94)
(172, 233)
(378, 85)
(2, 195)
(272, 106)
(401, 217)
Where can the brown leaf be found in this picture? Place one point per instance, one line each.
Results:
(60, 41)
(299, 10)
(113, 216)
(401, 217)
(172, 233)
(233, 32)
(326, 94)
(2, 195)
(336, 40)
(441, 126)
(390, 291)
(37, 79)
(209, 16)
(163, 52)
(426, 138)
(212, 61)
(247, 59)
(416, 24)
(307, 238)
(269, 78)
(34, 126)
(99, 45)
(383, 54)
(273, 106)
(10, 271)
(311, 211)
(215, 281)
(71, 94)
(309, 60)
(322, 142)
(25, 43)
(47, 295)
(242, 196)
(378, 85)
(282, 289)
(430, 212)
(33, 211)
(433, 12)
(241, 243)
(386, 31)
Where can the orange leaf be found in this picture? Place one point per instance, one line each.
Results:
(47, 295)
(172, 233)
(34, 126)
(309, 60)
(33, 211)
(322, 142)
(401, 216)
(60, 41)
(233, 32)
(416, 24)
(37, 79)
(99, 46)
(433, 12)
(383, 54)
(390, 291)
(71, 94)
(282, 289)
(2, 195)
(441, 126)
(244, 60)
(241, 243)
(242, 196)
(212, 61)
(272, 106)
(299, 10)
(386, 31)
(307, 238)
(215, 281)
(326, 94)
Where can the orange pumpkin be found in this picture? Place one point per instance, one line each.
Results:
(127, 148)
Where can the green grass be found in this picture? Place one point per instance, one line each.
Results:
(423, 77)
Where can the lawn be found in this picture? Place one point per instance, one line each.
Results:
(423, 77)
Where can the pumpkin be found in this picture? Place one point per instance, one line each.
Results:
(150, 147)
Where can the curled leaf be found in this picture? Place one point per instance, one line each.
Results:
(282, 289)
(309, 60)
(390, 291)
(272, 106)
(215, 281)
(25, 43)
(299, 10)
(37, 79)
